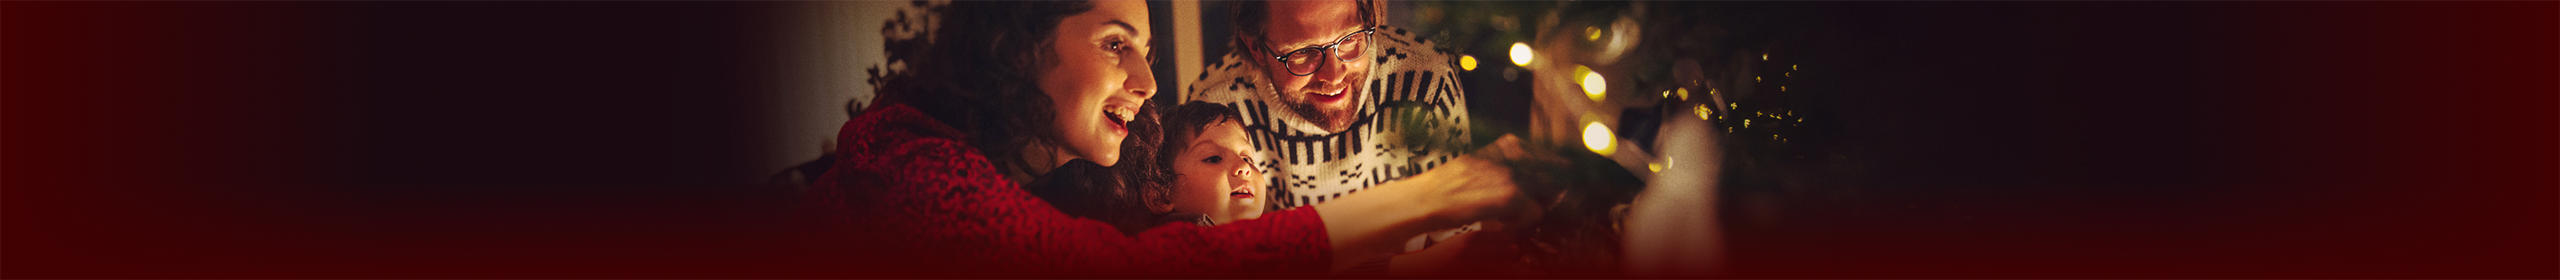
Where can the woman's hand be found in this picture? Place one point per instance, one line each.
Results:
(1492, 252)
(1479, 187)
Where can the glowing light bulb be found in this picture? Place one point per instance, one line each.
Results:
(1764, 56)
(1755, 78)
(1795, 67)
(1702, 111)
(1520, 54)
(1591, 33)
(1746, 123)
(1656, 167)
(1598, 138)
(1595, 86)
(1467, 62)
(1684, 93)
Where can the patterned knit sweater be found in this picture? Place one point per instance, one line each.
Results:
(916, 201)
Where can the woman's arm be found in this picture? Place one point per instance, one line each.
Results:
(1377, 222)
(928, 206)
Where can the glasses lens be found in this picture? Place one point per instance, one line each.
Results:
(1303, 61)
(1351, 47)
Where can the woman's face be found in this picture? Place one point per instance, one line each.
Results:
(1215, 175)
(1100, 79)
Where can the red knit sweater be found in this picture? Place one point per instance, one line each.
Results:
(917, 201)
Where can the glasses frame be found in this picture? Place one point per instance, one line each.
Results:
(1368, 34)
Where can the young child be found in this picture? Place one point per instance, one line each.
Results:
(1214, 179)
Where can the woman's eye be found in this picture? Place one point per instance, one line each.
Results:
(1213, 159)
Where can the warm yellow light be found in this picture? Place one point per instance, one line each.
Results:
(1795, 67)
(1746, 123)
(1782, 88)
(1684, 93)
(1593, 84)
(1591, 33)
(1520, 54)
(1656, 167)
(1467, 62)
(1736, 106)
(1764, 57)
(1666, 94)
(1788, 74)
(1703, 111)
(1598, 138)
(1755, 78)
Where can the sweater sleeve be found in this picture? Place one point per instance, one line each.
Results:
(942, 204)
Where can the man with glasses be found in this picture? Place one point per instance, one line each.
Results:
(1333, 100)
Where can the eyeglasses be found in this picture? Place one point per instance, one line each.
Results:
(1304, 61)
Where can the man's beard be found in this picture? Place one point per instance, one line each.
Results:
(1337, 120)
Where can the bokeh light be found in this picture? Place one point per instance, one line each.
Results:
(1599, 139)
(1467, 62)
(1593, 84)
(1520, 54)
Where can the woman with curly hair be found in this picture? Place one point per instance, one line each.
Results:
(930, 181)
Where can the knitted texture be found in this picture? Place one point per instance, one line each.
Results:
(918, 202)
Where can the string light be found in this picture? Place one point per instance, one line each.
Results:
(1520, 54)
(1702, 111)
(1591, 33)
(1598, 138)
(1593, 84)
(1467, 62)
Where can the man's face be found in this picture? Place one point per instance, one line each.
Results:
(1331, 96)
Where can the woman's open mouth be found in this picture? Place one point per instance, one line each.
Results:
(1119, 117)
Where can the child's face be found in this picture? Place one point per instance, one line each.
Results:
(1215, 175)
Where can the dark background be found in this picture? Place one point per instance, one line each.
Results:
(2075, 140)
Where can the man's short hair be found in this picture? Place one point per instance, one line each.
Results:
(1253, 19)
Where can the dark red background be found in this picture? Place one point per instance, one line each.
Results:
(2087, 140)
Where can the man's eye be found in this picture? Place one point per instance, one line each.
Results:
(1213, 159)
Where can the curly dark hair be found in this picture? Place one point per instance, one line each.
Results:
(976, 66)
(1117, 194)
(978, 70)
(1182, 126)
